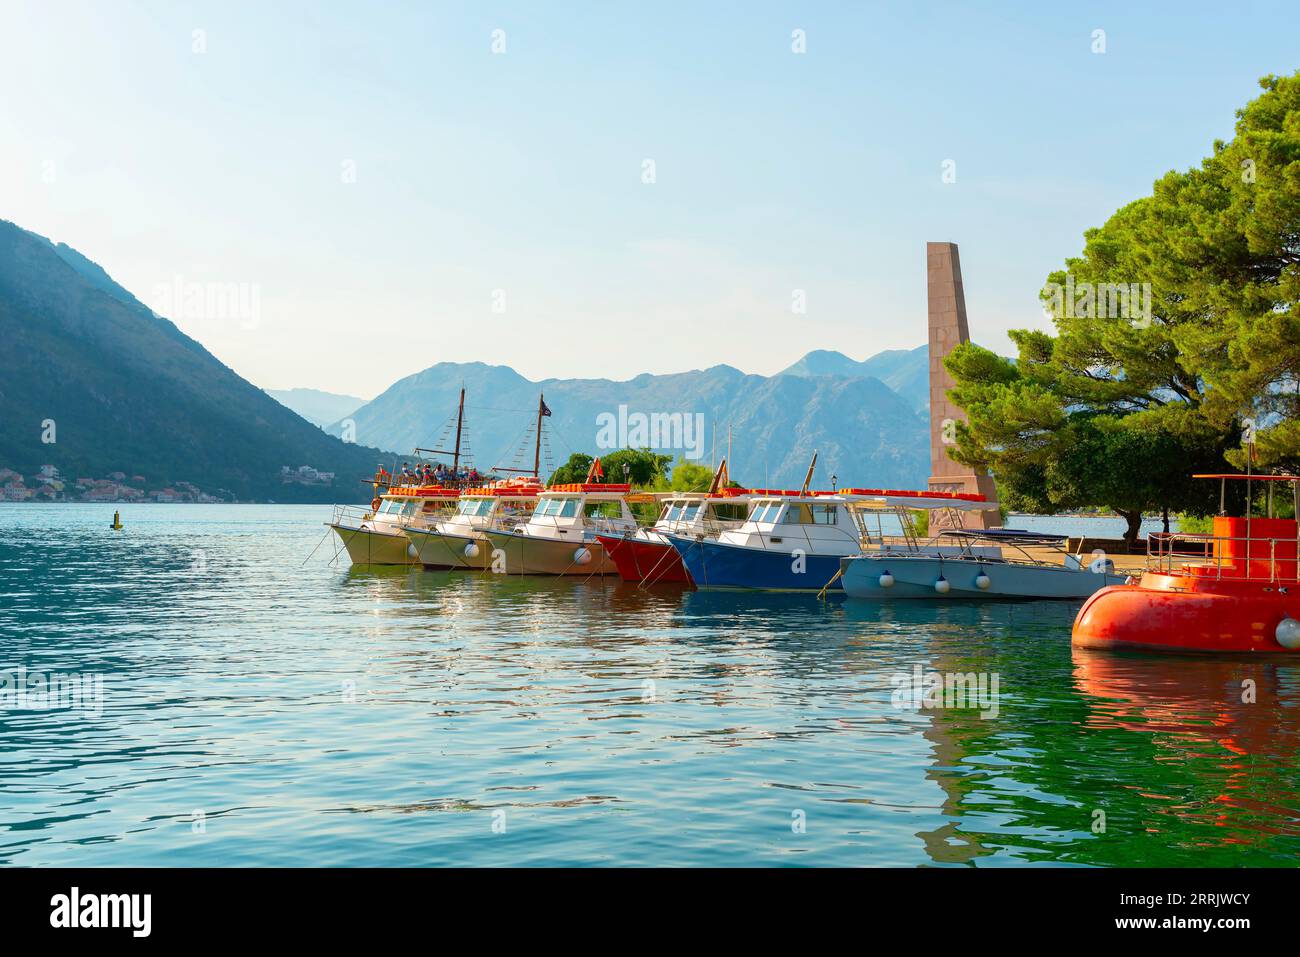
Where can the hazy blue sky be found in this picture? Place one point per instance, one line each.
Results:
(522, 171)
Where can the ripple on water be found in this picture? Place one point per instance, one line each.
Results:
(259, 711)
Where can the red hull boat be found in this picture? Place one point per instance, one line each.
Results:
(1243, 596)
(641, 560)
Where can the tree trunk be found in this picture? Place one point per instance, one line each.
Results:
(1166, 519)
(1134, 520)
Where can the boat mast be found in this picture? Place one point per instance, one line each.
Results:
(807, 479)
(460, 421)
(719, 478)
(537, 448)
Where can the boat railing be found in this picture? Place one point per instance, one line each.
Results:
(1239, 557)
(352, 515)
(610, 526)
(705, 528)
(508, 523)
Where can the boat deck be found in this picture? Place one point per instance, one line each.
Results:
(1134, 564)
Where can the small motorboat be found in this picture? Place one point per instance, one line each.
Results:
(646, 554)
(461, 541)
(376, 536)
(561, 535)
(410, 500)
(1236, 590)
(795, 540)
(986, 563)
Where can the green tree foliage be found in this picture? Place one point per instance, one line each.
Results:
(643, 468)
(574, 470)
(690, 476)
(1177, 330)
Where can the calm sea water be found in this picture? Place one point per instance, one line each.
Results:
(259, 710)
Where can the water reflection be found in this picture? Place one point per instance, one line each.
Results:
(1240, 717)
(327, 714)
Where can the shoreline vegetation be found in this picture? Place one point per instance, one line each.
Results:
(1132, 395)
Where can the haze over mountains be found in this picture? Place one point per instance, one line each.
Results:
(317, 407)
(93, 383)
(866, 432)
(906, 371)
(126, 391)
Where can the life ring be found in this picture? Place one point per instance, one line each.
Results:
(375, 503)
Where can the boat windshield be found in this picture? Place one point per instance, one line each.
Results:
(397, 506)
(603, 510)
(557, 508)
(672, 511)
(728, 512)
(805, 514)
(766, 511)
(475, 507)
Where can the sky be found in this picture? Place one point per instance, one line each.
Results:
(338, 195)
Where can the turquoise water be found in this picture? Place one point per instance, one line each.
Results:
(259, 710)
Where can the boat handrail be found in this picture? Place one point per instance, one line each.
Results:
(965, 556)
(351, 514)
(1164, 557)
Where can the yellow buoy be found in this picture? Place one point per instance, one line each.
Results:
(117, 522)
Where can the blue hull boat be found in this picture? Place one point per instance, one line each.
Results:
(713, 564)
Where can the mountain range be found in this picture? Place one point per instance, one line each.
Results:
(94, 383)
(865, 432)
(906, 371)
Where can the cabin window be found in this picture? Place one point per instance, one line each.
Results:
(602, 510)
(807, 514)
(798, 514)
(690, 511)
(730, 512)
(672, 512)
(475, 506)
(558, 508)
(767, 511)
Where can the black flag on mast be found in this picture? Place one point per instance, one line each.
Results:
(545, 409)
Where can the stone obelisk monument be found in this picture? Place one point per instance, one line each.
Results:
(948, 328)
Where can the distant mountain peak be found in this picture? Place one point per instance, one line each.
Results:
(906, 371)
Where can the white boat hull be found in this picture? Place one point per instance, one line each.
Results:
(917, 576)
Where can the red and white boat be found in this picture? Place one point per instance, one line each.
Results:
(646, 554)
(1234, 591)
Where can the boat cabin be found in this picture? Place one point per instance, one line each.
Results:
(492, 506)
(840, 522)
(574, 511)
(818, 522)
(687, 513)
(414, 505)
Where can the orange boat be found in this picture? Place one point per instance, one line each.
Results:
(1234, 591)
